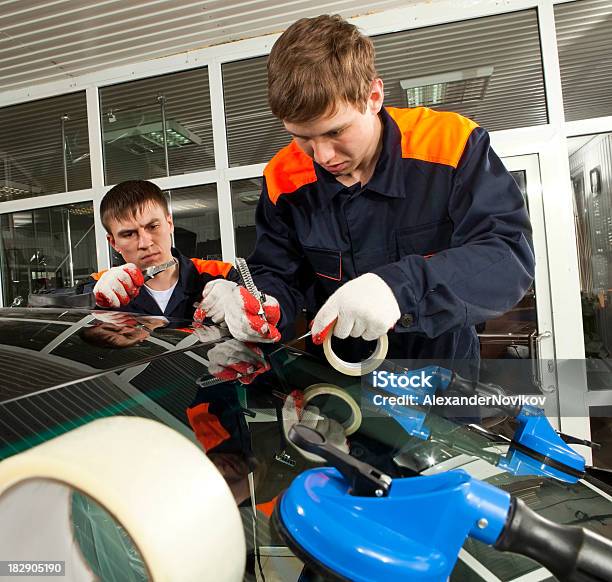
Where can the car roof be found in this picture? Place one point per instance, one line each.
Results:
(42, 349)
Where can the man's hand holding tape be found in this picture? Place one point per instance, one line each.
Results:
(363, 307)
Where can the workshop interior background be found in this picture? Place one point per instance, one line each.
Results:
(85, 88)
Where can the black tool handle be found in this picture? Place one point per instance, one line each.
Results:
(572, 440)
(364, 479)
(572, 554)
(465, 387)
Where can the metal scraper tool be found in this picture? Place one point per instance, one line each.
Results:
(247, 281)
(151, 272)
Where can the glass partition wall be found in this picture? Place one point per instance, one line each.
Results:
(46, 248)
(44, 147)
(590, 159)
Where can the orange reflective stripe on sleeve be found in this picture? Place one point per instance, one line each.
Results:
(96, 276)
(432, 136)
(288, 170)
(206, 426)
(214, 268)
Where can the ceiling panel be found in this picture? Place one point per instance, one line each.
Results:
(54, 40)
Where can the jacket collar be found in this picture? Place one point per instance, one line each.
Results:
(388, 173)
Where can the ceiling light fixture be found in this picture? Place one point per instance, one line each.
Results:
(149, 136)
(466, 86)
(249, 198)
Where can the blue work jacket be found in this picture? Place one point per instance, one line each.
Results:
(441, 221)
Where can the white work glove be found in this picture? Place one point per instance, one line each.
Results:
(243, 320)
(118, 286)
(234, 359)
(363, 307)
(331, 429)
(208, 334)
(118, 318)
(213, 300)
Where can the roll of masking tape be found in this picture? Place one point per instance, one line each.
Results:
(161, 489)
(357, 368)
(353, 422)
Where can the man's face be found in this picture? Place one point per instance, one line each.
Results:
(345, 141)
(145, 239)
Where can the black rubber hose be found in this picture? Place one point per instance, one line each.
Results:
(572, 554)
(465, 387)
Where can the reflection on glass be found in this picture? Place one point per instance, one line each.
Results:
(242, 430)
(585, 49)
(590, 159)
(457, 67)
(512, 336)
(451, 67)
(254, 135)
(136, 115)
(245, 196)
(46, 248)
(195, 212)
(44, 147)
(591, 174)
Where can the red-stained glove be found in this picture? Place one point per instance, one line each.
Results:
(245, 323)
(118, 286)
(234, 358)
(116, 317)
(214, 296)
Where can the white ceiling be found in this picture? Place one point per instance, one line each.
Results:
(43, 41)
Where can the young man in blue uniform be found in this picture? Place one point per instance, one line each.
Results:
(139, 227)
(374, 218)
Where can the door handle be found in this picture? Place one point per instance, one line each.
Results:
(536, 370)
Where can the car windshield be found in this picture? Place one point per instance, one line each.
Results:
(55, 379)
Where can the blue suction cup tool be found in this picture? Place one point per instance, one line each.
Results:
(352, 522)
(537, 439)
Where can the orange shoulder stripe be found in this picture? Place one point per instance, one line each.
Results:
(267, 507)
(96, 276)
(432, 136)
(207, 428)
(287, 171)
(214, 268)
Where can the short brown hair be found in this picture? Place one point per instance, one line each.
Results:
(316, 64)
(127, 198)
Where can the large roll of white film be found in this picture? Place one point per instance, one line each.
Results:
(159, 487)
